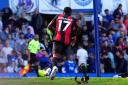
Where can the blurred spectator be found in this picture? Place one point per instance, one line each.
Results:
(21, 43)
(21, 10)
(15, 34)
(38, 23)
(69, 65)
(3, 60)
(32, 29)
(105, 47)
(11, 41)
(104, 37)
(116, 25)
(118, 12)
(1, 24)
(107, 17)
(126, 21)
(15, 62)
(123, 28)
(121, 63)
(7, 49)
(26, 16)
(85, 41)
(120, 44)
(123, 33)
(24, 27)
(126, 56)
(20, 62)
(106, 62)
(111, 57)
(29, 34)
(9, 28)
(84, 36)
(81, 20)
(12, 60)
(22, 23)
(110, 41)
(3, 34)
(91, 63)
(116, 35)
(7, 12)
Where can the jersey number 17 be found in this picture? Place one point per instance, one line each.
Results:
(63, 22)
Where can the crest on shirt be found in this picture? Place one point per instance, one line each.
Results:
(83, 2)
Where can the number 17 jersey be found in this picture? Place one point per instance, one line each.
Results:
(64, 26)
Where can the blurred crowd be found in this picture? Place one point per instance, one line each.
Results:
(22, 34)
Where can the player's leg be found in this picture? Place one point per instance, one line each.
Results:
(57, 49)
(56, 52)
(83, 69)
(53, 72)
(33, 63)
(44, 72)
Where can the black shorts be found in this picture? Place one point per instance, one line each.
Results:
(60, 48)
(33, 58)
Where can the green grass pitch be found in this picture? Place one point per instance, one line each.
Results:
(63, 81)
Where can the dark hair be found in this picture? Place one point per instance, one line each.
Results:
(22, 4)
(67, 10)
(106, 10)
(120, 5)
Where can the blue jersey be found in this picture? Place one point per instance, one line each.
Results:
(69, 66)
(44, 62)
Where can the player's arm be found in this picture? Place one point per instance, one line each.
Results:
(51, 28)
(52, 21)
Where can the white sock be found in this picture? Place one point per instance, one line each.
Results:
(54, 69)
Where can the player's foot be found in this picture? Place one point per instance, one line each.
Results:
(48, 70)
(86, 79)
(53, 73)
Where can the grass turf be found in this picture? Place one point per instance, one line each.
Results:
(63, 81)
